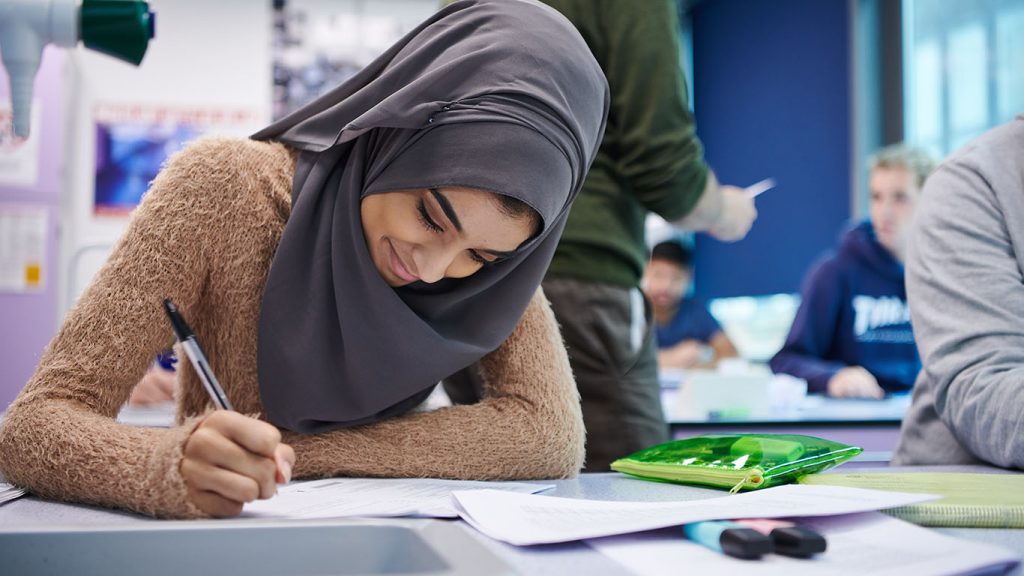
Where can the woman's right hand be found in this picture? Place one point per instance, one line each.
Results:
(231, 459)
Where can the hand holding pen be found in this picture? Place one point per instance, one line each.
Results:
(229, 459)
(738, 210)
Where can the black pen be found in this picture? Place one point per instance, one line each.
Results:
(195, 355)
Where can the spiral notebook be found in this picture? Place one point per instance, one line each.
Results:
(969, 500)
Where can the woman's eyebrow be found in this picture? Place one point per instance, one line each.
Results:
(499, 253)
(446, 207)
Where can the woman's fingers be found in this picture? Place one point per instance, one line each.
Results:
(231, 459)
(203, 477)
(214, 504)
(253, 435)
(209, 446)
(285, 458)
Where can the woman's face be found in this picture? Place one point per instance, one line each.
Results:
(429, 234)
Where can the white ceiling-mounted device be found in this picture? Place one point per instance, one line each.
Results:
(119, 28)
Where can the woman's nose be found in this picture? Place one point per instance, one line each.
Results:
(432, 264)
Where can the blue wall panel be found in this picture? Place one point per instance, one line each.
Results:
(772, 98)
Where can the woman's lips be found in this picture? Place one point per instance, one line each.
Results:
(398, 267)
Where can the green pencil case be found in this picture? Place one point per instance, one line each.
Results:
(736, 461)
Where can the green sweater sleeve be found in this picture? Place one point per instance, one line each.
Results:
(657, 150)
(650, 137)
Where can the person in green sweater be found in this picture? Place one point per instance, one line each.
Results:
(650, 160)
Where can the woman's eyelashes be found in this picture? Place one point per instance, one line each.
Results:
(425, 218)
(430, 224)
(476, 257)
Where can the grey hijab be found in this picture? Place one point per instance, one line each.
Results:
(499, 95)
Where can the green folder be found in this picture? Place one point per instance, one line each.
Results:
(969, 500)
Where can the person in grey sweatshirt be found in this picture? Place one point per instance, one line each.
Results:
(966, 294)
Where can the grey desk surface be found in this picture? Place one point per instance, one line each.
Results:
(569, 558)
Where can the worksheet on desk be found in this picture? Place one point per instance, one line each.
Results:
(377, 497)
(9, 492)
(525, 519)
(868, 543)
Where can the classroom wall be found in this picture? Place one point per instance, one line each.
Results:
(212, 55)
(206, 57)
(772, 99)
(28, 318)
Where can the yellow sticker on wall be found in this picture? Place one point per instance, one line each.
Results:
(33, 275)
(24, 237)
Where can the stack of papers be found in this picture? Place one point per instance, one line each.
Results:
(9, 492)
(376, 497)
(525, 519)
(152, 415)
(868, 543)
(645, 537)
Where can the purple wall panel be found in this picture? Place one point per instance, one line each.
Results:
(29, 320)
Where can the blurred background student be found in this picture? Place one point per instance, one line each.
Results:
(852, 336)
(158, 383)
(688, 335)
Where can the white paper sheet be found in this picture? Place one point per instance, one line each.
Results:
(9, 492)
(152, 416)
(867, 543)
(379, 497)
(525, 519)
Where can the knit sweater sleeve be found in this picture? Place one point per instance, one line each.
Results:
(528, 424)
(60, 438)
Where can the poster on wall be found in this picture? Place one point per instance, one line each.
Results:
(22, 248)
(134, 140)
(19, 158)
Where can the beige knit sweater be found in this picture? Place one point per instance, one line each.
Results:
(205, 236)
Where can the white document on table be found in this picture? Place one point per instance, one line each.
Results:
(524, 519)
(378, 497)
(151, 416)
(867, 543)
(9, 492)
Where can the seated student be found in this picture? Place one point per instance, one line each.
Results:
(158, 383)
(966, 294)
(688, 336)
(851, 336)
(335, 268)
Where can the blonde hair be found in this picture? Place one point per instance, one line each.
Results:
(914, 160)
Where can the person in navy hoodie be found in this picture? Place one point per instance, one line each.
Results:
(688, 335)
(851, 336)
